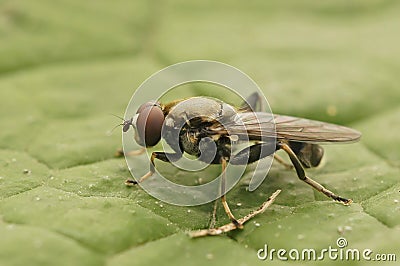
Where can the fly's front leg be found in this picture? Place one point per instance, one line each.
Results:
(163, 156)
(301, 174)
(120, 152)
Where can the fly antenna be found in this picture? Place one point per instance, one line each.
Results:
(117, 116)
(109, 133)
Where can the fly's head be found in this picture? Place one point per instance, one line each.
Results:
(147, 124)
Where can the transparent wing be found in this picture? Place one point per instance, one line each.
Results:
(306, 130)
(260, 125)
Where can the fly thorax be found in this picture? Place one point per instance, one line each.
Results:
(190, 142)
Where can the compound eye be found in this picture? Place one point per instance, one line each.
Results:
(145, 105)
(149, 124)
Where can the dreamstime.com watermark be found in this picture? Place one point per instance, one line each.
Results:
(339, 252)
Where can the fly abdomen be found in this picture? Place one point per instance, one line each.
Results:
(309, 154)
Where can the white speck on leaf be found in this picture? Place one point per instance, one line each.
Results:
(342, 229)
(27, 171)
(348, 228)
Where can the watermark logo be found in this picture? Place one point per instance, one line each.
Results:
(340, 252)
(172, 141)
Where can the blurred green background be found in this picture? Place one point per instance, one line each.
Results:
(66, 64)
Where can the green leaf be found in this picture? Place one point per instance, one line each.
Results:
(30, 245)
(108, 225)
(66, 65)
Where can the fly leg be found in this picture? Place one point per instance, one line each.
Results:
(120, 152)
(223, 197)
(252, 154)
(301, 174)
(163, 156)
(280, 160)
(214, 215)
(243, 157)
(231, 226)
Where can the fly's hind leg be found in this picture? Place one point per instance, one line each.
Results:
(280, 160)
(301, 174)
(163, 156)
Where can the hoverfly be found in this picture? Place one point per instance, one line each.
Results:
(201, 116)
